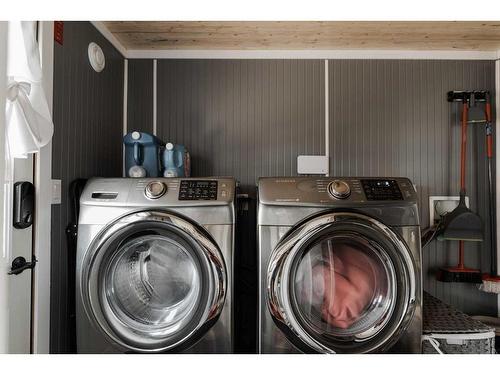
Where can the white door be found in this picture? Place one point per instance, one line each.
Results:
(20, 285)
(16, 291)
(18, 243)
(4, 253)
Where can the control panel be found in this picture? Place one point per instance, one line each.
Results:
(381, 190)
(194, 190)
(335, 190)
(160, 192)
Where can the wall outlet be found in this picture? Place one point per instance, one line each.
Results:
(441, 205)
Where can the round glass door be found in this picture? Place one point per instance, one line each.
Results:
(155, 282)
(341, 283)
(152, 283)
(343, 288)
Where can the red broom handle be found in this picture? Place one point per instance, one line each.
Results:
(463, 152)
(461, 263)
(487, 109)
(463, 149)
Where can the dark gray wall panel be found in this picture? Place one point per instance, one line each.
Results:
(391, 118)
(140, 96)
(244, 118)
(388, 117)
(88, 111)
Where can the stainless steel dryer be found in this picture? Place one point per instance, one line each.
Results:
(154, 265)
(340, 265)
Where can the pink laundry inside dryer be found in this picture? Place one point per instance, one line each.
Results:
(343, 284)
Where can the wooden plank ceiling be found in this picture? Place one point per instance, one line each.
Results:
(145, 35)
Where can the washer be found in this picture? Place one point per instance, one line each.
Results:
(155, 265)
(339, 265)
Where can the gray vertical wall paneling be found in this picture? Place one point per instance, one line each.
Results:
(245, 118)
(140, 95)
(390, 117)
(386, 118)
(87, 142)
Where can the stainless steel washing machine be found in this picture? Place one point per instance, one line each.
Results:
(155, 266)
(340, 265)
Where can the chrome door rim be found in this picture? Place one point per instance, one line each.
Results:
(210, 254)
(293, 244)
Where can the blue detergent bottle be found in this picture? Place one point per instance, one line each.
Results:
(176, 161)
(142, 155)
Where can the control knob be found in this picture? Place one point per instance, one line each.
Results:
(155, 189)
(339, 189)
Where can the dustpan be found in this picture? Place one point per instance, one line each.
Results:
(462, 224)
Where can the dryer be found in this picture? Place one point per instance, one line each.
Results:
(339, 265)
(155, 265)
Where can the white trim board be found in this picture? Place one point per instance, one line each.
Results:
(125, 109)
(312, 54)
(101, 27)
(497, 162)
(327, 119)
(155, 96)
(43, 211)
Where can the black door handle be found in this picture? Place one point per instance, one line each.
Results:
(19, 264)
(24, 204)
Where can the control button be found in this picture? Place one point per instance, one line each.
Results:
(155, 189)
(198, 190)
(339, 189)
(223, 193)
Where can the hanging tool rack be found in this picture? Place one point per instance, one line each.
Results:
(470, 99)
(468, 96)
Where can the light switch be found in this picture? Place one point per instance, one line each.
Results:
(56, 191)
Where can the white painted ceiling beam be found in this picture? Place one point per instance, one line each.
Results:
(312, 54)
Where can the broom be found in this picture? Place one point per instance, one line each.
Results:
(461, 224)
(491, 281)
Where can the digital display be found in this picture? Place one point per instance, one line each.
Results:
(382, 190)
(191, 190)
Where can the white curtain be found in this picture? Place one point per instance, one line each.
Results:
(29, 123)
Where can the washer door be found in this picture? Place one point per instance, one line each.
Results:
(341, 283)
(153, 281)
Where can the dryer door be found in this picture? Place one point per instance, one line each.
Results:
(154, 282)
(341, 283)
